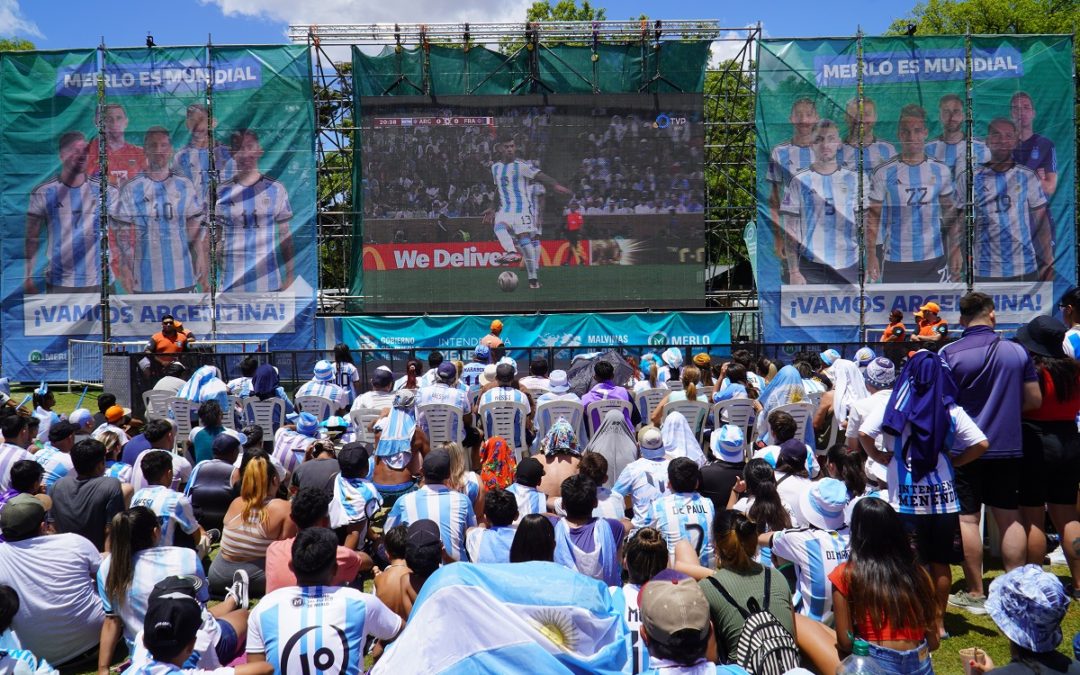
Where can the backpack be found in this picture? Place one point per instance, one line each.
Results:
(765, 647)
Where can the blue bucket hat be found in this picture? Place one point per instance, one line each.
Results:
(307, 424)
(1028, 604)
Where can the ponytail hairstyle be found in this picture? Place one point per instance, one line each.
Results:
(848, 468)
(256, 486)
(767, 511)
(654, 373)
(645, 555)
(689, 378)
(735, 538)
(131, 531)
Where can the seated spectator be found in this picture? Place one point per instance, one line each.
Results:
(16, 437)
(558, 389)
(792, 477)
(241, 386)
(725, 465)
(671, 361)
(85, 502)
(210, 486)
(381, 394)
(434, 497)
(173, 509)
(173, 380)
(204, 385)
(616, 443)
(114, 467)
(83, 420)
(644, 480)
(644, 556)
(54, 578)
(25, 480)
(491, 542)
(388, 581)
(682, 513)
(537, 379)
(116, 421)
(265, 385)
(675, 627)
(787, 387)
(310, 509)
(590, 545)
(782, 427)
(527, 480)
(14, 659)
(424, 554)
(291, 444)
(605, 388)
(755, 494)
(735, 385)
(680, 440)
(355, 500)
(534, 540)
(560, 455)
(443, 390)
(470, 373)
(322, 384)
(55, 456)
(435, 359)
(319, 468)
(689, 378)
(155, 429)
(505, 389)
(608, 505)
(104, 402)
(254, 520)
(210, 425)
(181, 465)
(399, 449)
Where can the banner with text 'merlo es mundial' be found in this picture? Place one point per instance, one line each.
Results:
(952, 168)
(205, 197)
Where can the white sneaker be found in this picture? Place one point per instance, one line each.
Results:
(1057, 557)
(239, 589)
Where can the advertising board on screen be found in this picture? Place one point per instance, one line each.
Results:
(529, 202)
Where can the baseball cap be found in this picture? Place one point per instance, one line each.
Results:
(558, 382)
(482, 352)
(1028, 605)
(651, 441)
(918, 315)
(496, 325)
(504, 373)
(353, 459)
(324, 371)
(529, 472)
(115, 413)
(238, 435)
(381, 377)
(225, 444)
(423, 546)
(727, 444)
(931, 307)
(61, 430)
(172, 620)
(795, 449)
(307, 424)
(81, 417)
(880, 373)
(447, 371)
(437, 466)
(668, 607)
(21, 517)
(508, 361)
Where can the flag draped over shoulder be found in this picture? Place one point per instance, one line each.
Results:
(535, 617)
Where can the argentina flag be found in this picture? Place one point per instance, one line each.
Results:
(535, 617)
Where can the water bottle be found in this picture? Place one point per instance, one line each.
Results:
(859, 662)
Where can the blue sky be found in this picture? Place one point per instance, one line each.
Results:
(62, 24)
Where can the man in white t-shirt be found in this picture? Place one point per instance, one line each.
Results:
(381, 394)
(879, 376)
(644, 480)
(313, 625)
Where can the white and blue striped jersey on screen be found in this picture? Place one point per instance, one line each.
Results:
(156, 238)
(446, 395)
(249, 217)
(56, 464)
(529, 500)
(1004, 222)
(450, 510)
(815, 553)
(911, 213)
(644, 481)
(689, 516)
(786, 160)
(194, 164)
(512, 182)
(954, 155)
(309, 629)
(825, 205)
(327, 390)
(873, 155)
(172, 508)
(72, 222)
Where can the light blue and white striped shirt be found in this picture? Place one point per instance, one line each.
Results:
(329, 390)
(57, 464)
(529, 500)
(152, 231)
(954, 155)
(815, 553)
(194, 164)
(71, 217)
(911, 212)
(450, 510)
(1004, 220)
(490, 544)
(250, 218)
(512, 182)
(172, 509)
(9, 454)
(873, 155)
(689, 516)
(355, 501)
(824, 208)
(786, 160)
(644, 481)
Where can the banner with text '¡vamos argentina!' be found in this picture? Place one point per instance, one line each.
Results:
(953, 168)
(200, 188)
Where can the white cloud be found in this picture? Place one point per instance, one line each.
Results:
(731, 43)
(370, 11)
(12, 21)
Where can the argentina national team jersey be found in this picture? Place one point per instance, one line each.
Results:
(172, 509)
(194, 164)
(954, 155)
(644, 481)
(1004, 225)
(153, 217)
(688, 516)
(911, 213)
(512, 182)
(449, 509)
(873, 155)
(446, 395)
(529, 500)
(250, 217)
(815, 553)
(318, 629)
(786, 160)
(499, 394)
(825, 205)
(72, 219)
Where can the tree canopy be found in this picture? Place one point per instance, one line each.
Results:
(991, 16)
(564, 10)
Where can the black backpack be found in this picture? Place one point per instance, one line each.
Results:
(765, 647)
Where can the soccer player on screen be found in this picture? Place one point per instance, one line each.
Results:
(818, 212)
(949, 146)
(789, 158)
(1034, 151)
(157, 238)
(193, 160)
(254, 212)
(68, 209)
(514, 215)
(1013, 239)
(875, 151)
(125, 160)
(911, 200)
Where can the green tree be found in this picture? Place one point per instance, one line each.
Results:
(15, 45)
(565, 10)
(991, 16)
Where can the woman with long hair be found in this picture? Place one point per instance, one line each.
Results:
(645, 555)
(462, 479)
(704, 362)
(534, 540)
(755, 494)
(735, 384)
(254, 520)
(689, 379)
(128, 574)
(649, 374)
(346, 375)
(883, 595)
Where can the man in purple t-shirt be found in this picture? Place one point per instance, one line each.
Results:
(997, 383)
(604, 373)
(1033, 151)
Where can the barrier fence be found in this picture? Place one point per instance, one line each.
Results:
(85, 357)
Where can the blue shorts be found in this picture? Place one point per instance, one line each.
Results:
(228, 646)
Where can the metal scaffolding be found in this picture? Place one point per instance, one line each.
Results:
(729, 144)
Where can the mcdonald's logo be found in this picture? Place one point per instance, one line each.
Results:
(376, 258)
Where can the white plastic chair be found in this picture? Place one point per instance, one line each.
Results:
(442, 421)
(603, 406)
(361, 419)
(646, 401)
(319, 406)
(181, 409)
(268, 414)
(802, 413)
(234, 416)
(695, 413)
(549, 412)
(739, 412)
(156, 403)
(506, 419)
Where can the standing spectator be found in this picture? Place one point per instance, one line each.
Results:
(996, 383)
(455, 513)
(605, 388)
(167, 341)
(494, 342)
(54, 578)
(16, 437)
(879, 377)
(683, 514)
(86, 501)
(583, 542)
(346, 375)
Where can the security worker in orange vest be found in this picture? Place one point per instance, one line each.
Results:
(895, 331)
(167, 341)
(932, 329)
